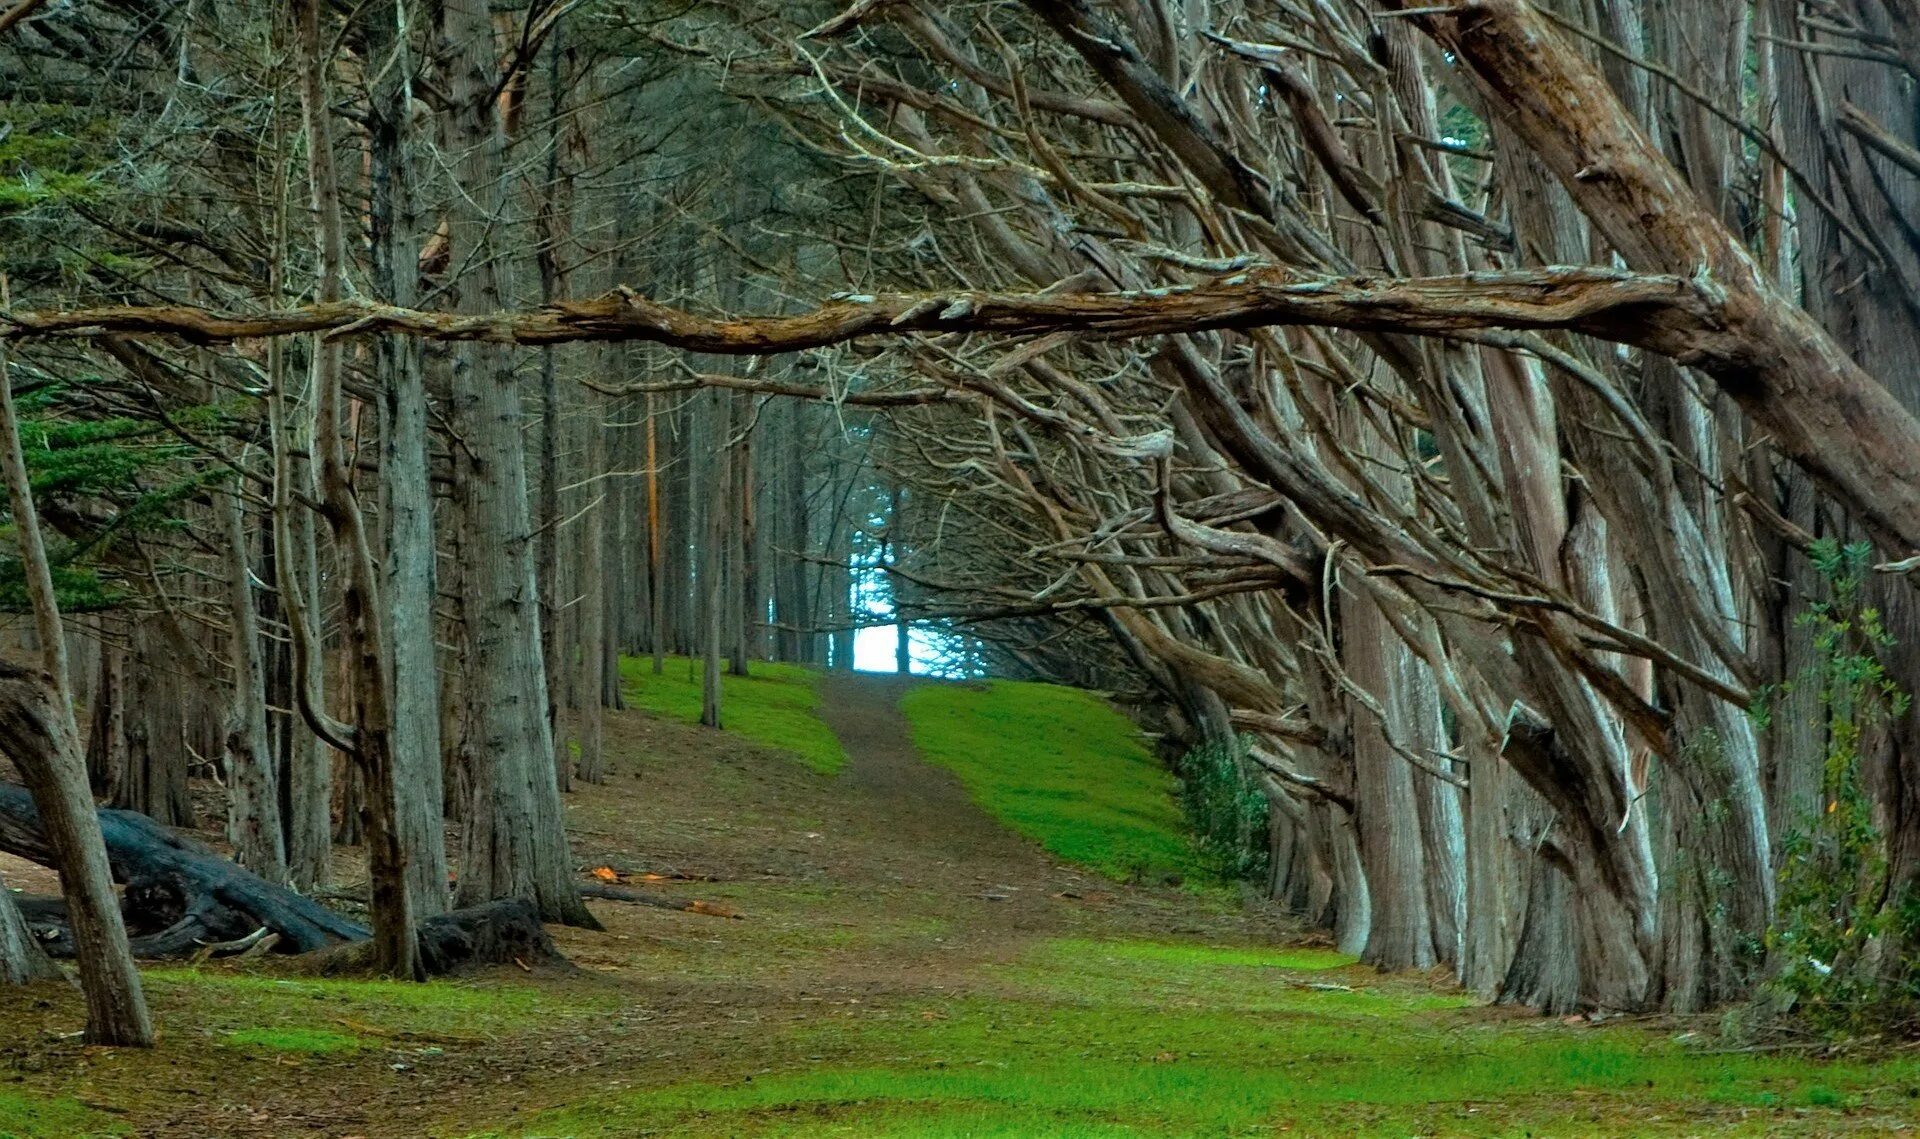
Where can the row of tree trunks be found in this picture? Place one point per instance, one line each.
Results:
(1504, 544)
(136, 744)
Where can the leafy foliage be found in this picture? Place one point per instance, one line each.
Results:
(1840, 938)
(51, 164)
(1227, 811)
(105, 478)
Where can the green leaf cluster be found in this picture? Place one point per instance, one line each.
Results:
(1227, 810)
(1841, 940)
(129, 474)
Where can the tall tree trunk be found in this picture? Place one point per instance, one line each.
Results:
(795, 637)
(712, 571)
(593, 605)
(554, 214)
(107, 733)
(253, 798)
(656, 565)
(154, 778)
(310, 766)
(516, 842)
(370, 739)
(1387, 807)
(38, 733)
(742, 622)
(409, 574)
(554, 645)
(897, 586)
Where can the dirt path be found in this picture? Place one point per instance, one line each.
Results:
(882, 887)
(864, 711)
(888, 926)
(940, 855)
(930, 832)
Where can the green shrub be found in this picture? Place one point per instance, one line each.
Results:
(1841, 941)
(1227, 811)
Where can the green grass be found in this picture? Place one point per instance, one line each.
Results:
(775, 704)
(1127, 1038)
(1171, 955)
(322, 1015)
(1058, 766)
(27, 1117)
(308, 1041)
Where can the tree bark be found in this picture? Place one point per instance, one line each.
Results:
(1789, 375)
(369, 657)
(1387, 812)
(253, 794)
(154, 778)
(594, 524)
(656, 564)
(515, 843)
(409, 575)
(713, 545)
(107, 730)
(22, 961)
(37, 732)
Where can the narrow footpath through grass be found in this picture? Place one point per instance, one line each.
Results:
(904, 967)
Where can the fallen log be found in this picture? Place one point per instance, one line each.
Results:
(179, 894)
(182, 898)
(660, 901)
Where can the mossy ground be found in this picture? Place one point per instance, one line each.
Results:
(905, 967)
(774, 704)
(1097, 1039)
(1059, 766)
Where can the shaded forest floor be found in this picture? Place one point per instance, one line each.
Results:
(903, 965)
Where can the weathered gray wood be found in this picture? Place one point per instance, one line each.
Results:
(253, 792)
(515, 842)
(22, 960)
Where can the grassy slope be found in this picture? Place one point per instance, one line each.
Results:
(775, 704)
(28, 1117)
(1060, 767)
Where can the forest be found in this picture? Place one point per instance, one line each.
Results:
(1025, 567)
